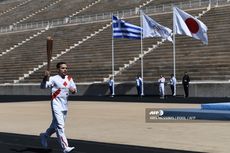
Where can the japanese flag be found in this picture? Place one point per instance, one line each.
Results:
(185, 24)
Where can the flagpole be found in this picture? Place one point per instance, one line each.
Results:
(174, 44)
(142, 63)
(113, 60)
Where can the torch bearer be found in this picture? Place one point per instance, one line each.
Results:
(49, 51)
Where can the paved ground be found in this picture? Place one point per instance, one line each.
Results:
(107, 127)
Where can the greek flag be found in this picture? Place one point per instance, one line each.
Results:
(122, 29)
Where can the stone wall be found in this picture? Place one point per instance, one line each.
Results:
(100, 89)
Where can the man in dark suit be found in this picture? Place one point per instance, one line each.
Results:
(185, 82)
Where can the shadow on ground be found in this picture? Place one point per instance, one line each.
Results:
(17, 143)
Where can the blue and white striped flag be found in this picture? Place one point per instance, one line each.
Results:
(122, 29)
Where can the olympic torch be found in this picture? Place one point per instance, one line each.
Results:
(49, 51)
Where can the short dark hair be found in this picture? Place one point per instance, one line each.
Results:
(59, 64)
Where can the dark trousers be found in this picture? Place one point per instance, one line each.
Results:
(111, 90)
(186, 90)
(172, 89)
(139, 90)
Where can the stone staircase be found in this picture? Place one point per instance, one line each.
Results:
(87, 50)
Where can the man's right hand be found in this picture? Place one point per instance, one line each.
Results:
(47, 73)
(45, 78)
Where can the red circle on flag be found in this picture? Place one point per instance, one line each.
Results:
(193, 26)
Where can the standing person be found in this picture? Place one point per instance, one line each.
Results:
(161, 82)
(60, 84)
(185, 82)
(111, 86)
(172, 82)
(139, 82)
(141, 85)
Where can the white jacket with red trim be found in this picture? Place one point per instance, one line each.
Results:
(60, 90)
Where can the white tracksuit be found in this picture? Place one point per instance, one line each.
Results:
(161, 82)
(59, 104)
(173, 84)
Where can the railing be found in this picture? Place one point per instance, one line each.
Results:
(107, 16)
(10, 1)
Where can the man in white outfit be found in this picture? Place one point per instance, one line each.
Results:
(60, 84)
(161, 82)
(173, 84)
